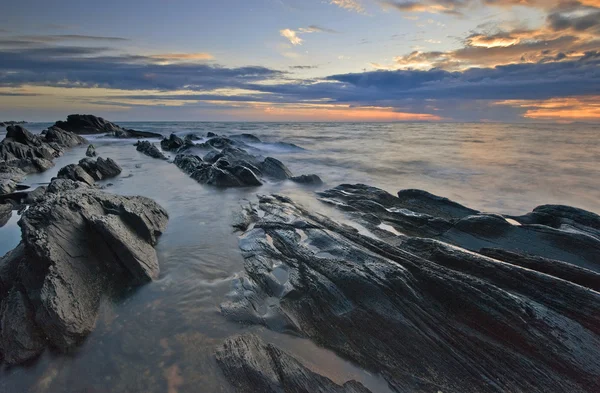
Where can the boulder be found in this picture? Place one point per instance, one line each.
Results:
(275, 169)
(221, 173)
(91, 151)
(89, 170)
(78, 245)
(173, 142)
(423, 311)
(64, 138)
(90, 124)
(252, 365)
(149, 149)
(307, 179)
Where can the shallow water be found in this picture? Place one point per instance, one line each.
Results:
(161, 337)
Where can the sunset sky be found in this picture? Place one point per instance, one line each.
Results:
(301, 60)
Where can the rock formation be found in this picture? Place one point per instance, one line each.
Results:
(78, 244)
(90, 124)
(89, 170)
(412, 296)
(254, 366)
(149, 149)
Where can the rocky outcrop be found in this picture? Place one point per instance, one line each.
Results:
(90, 124)
(149, 149)
(78, 244)
(407, 297)
(254, 366)
(11, 123)
(5, 213)
(22, 152)
(89, 170)
(91, 151)
(173, 142)
(228, 165)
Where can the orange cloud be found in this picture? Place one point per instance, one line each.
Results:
(202, 56)
(559, 109)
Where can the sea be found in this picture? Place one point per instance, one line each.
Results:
(161, 337)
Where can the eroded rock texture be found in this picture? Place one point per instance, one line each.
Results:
(149, 149)
(227, 163)
(254, 366)
(78, 245)
(410, 296)
(89, 170)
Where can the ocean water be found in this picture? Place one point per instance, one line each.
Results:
(161, 337)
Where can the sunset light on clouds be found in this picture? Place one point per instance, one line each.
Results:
(367, 60)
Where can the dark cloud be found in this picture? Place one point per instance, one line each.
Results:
(11, 94)
(559, 21)
(304, 67)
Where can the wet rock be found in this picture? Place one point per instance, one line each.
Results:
(274, 168)
(563, 217)
(90, 124)
(252, 366)
(188, 163)
(307, 179)
(89, 170)
(7, 186)
(220, 174)
(5, 213)
(173, 142)
(439, 317)
(191, 137)
(76, 173)
(91, 151)
(211, 134)
(420, 201)
(64, 138)
(78, 244)
(149, 149)
(35, 195)
(249, 138)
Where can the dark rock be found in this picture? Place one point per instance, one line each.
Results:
(91, 151)
(420, 201)
(427, 315)
(191, 137)
(307, 179)
(11, 123)
(187, 163)
(76, 173)
(78, 244)
(275, 169)
(220, 174)
(108, 167)
(563, 217)
(89, 170)
(149, 149)
(64, 138)
(5, 213)
(249, 138)
(7, 186)
(246, 175)
(35, 195)
(173, 142)
(211, 134)
(254, 366)
(89, 124)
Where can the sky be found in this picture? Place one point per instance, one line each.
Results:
(301, 60)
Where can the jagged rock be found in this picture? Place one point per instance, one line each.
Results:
(35, 195)
(220, 174)
(191, 137)
(77, 244)
(90, 124)
(211, 134)
(63, 138)
(91, 151)
(254, 366)
(307, 179)
(11, 123)
(427, 315)
(188, 163)
(149, 149)
(274, 168)
(76, 173)
(5, 213)
(7, 186)
(173, 142)
(89, 170)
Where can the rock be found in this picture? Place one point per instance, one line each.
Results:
(76, 173)
(90, 124)
(35, 195)
(149, 149)
(211, 134)
(254, 366)
(91, 151)
(7, 186)
(220, 174)
(5, 213)
(192, 137)
(274, 168)
(172, 143)
(307, 179)
(249, 138)
(439, 317)
(420, 201)
(11, 123)
(78, 245)
(188, 163)
(64, 138)
(89, 170)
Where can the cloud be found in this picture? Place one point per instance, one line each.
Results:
(317, 29)
(350, 5)
(40, 39)
(292, 36)
(304, 67)
(201, 56)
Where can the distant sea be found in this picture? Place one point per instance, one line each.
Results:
(175, 321)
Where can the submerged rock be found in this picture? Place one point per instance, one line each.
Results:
(254, 366)
(149, 149)
(90, 124)
(425, 313)
(77, 243)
